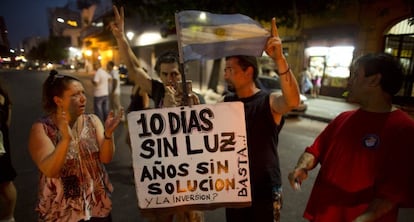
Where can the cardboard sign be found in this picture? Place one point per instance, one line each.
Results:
(193, 157)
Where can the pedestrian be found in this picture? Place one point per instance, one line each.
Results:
(70, 148)
(306, 81)
(364, 154)
(8, 193)
(115, 88)
(316, 82)
(264, 120)
(100, 82)
(162, 92)
(139, 100)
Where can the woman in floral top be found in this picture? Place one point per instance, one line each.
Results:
(70, 147)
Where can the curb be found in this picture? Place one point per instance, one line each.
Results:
(317, 118)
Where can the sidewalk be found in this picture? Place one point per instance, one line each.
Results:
(327, 108)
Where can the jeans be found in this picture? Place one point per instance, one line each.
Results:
(115, 102)
(266, 206)
(101, 107)
(277, 202)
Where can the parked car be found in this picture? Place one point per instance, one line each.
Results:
(123, 74)
(32, 65)
(273, 84)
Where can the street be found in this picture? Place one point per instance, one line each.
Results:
(25, 91)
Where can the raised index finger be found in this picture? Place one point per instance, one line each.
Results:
(274, 28)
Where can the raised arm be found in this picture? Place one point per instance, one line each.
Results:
(135, 72)
(282, 103)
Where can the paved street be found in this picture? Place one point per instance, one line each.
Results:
(25, 90)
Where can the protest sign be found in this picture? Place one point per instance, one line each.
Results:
(194, 157)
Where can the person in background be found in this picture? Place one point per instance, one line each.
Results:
(365, 155)
(8, 193)
(100, 82)
(306, 81)
(115, 88)
(316, 82)
(139, 101)
(70, 148)
(163, 93)
(264, 120)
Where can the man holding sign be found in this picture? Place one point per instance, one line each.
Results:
(167, 67)
(187, 136)
(164, 92)
(264, 120)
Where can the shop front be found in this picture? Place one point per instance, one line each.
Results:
(329, 67)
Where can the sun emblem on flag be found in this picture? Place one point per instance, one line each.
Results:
(220, 31)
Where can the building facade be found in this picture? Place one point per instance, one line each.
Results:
(326, 43)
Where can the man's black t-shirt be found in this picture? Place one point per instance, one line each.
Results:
(262, 140)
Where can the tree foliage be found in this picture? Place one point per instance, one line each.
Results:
(53, 50)
(162, 11)
(287, 12)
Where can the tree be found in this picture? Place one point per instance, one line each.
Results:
(287, 12)
(162, 11)
(54, 50)
(57, 49)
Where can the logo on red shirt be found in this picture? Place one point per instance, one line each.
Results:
(371, 141)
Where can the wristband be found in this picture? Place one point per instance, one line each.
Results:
(107, 137)
(285, 72)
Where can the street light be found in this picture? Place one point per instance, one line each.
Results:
(88, 52)
(149, 38)
(130, 35)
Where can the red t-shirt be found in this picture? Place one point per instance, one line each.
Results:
(363, 156)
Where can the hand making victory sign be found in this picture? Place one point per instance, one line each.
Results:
(117, 26)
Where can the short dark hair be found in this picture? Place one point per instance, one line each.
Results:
(55, 85)
(168, 56)
(385, 64)
(246, 61)
(111, 63)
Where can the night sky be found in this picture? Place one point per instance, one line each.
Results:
(26, 18)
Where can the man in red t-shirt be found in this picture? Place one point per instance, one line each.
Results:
(364, 154)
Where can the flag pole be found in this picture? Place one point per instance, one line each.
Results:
(181, 59)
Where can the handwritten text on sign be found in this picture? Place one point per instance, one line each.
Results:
(190, 155)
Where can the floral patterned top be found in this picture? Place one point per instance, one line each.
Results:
(83, 188)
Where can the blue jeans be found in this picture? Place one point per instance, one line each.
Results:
(277, 202)
(101, 107)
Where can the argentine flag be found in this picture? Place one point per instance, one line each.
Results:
(204, 35)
